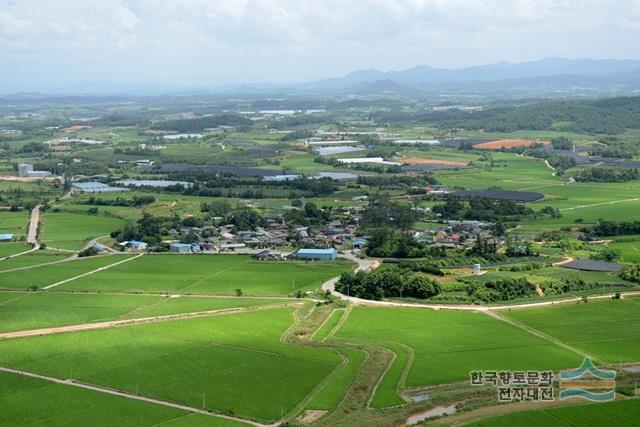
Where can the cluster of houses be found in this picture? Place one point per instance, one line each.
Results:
(263, 242)
(456, 234)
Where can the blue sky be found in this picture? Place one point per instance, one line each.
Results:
(58, 43)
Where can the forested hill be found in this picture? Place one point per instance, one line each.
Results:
(607, 116)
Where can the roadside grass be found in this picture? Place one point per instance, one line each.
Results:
(215, 274)
(616, 413)
(447, 345)
(69, 231)
(34, 402)
(236, 362)
(608, 329)
(48, 274)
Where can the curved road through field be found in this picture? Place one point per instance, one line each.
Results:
(363, 264)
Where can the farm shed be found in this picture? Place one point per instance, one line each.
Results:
(280, 178)
(358, 243)
(134, 244)
(5, 237)
(180, 247)
(592, 265)
(317, 254)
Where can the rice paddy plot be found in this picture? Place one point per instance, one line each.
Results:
(31, 259)
(70, 230)
(447, 345)
(14, 223)
(628, 246)
(330, 395)
(616, 413)
(42, 276)
(607, 329)
(34, 310)
(236, 362)
(7, 249)
(215, 274)
(34, 402)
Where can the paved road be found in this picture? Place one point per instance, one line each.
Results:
(363, 264)
(125, 394)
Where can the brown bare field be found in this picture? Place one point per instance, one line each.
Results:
(423, 161)
(75, 128)
(509, 143)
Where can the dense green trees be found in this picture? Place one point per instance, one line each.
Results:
(198, 124)
(500, 290)
(481, 209)
(604, 116)
(383, 212)
(387, 282)
(631, 273)
(135, 201)
(607, 175)
(612, 228)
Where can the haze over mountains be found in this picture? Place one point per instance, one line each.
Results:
(546, 75)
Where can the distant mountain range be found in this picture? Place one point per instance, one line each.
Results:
(543, 77)
(554, 73)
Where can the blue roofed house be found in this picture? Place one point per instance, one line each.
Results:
(317, 254)
(5, 237)
(358, 243)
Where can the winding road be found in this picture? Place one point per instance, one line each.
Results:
(363, 264)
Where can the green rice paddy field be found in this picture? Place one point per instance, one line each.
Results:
(71, 231)
(31, 259)
(14, 223)
(616, 413)
(44, 275)
(33, 402)
(32, 310)
(216, 274)
(238, 360)
(436, 347)
(11, 248)
(608, 329)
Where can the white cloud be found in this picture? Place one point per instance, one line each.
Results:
(301, 39)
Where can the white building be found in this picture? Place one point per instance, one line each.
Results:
(26, 170)
(375, 160)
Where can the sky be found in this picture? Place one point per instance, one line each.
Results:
(46, 44)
